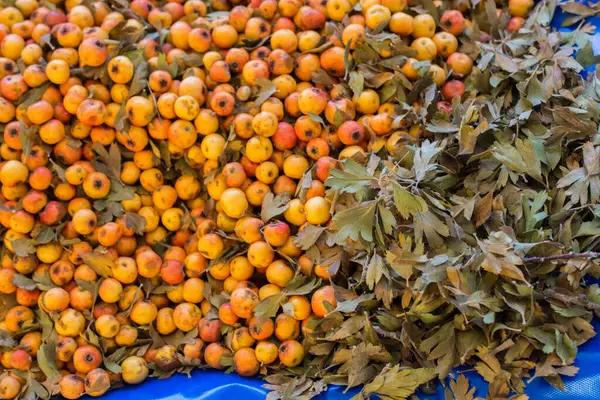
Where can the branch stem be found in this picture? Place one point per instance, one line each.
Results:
(579, 299)
(386, 334)
(567, 256)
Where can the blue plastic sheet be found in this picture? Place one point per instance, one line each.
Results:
(215, 385)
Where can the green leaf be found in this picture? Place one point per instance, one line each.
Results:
(593, 293)
(45, 235)
(468, 137)
(506, 63)
(403, 261)
(389, 89)
(111, 362)
(546, 338)
(299, 286)
(339, 117)
(111, 160)
(179, 338)
(45, 322)
(578, 9)
(38, 389)
(23, 246)
(347, 62)
(365, 54)
(566, 349)
(46, 360)
(119, 192)
(406, 203)
(356, 83)
(522, 159)
(460, 389)
(44, 282)
(139, 81)
(60, 171)
(576, 175)
(431, 8)
(316, 118)
(163, 65)
(33, 95)
(165, 154)
(355, 223)
(157, 340)
(586, 56)
(351, 179)
(387, 219)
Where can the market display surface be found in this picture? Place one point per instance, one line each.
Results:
(370, 195)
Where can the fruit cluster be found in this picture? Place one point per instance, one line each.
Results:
(158, 163)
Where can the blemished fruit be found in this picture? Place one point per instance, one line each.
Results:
(162, 170)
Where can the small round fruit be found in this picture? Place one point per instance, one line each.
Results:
(266, 352)
(291, 353)
(9, 387)
(134, 370)
(246, 363)
(71, 387)
(321, 297)
(243, 301)
(234, 202)
(317, 210)
(97, 382)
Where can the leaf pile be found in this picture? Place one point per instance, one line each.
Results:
(472, 247)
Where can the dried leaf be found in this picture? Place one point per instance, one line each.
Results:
(267, 89)
(23, 282)
(100, 263)
(308, 236)
(269, 307)
(274, 205)
(23, 246)
(356, 82)
(394, 383)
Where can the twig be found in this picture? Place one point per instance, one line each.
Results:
(386, 334)
(579, 299)
(567, 256)
(334, 202)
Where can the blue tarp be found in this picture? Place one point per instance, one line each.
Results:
(215, 385)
